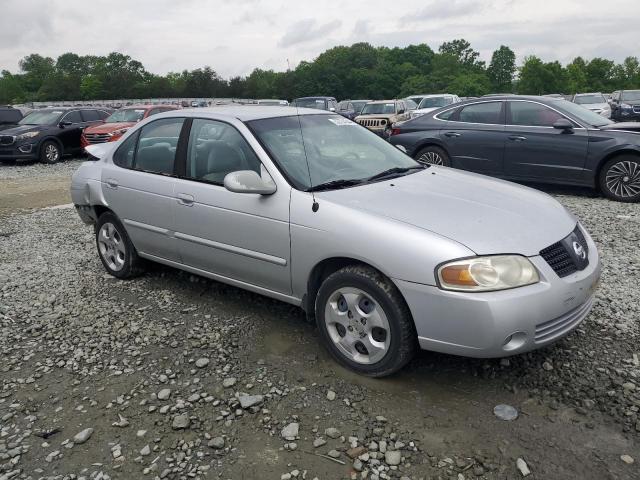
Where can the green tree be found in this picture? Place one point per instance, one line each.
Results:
(91, 88)
(502, 69)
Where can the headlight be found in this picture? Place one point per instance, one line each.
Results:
(626, 106)
(485, 274)
(118, 133)
(27, 135)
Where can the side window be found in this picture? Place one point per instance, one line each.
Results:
(343, 106)
(90, 116)
(73, 117)
(156, 151)
(532, 114)
(217, 149)
(153, 111)
(123, 156)
(102, 114)
(446, 115)
(488, 113)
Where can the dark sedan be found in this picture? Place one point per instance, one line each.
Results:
(538, 139)
(49, 133)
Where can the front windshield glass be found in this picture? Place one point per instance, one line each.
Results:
(358, 105)
(379, 108)
(582, 113)
(44, 117)
(310, 103)
(631, 95)
(126, 115)
(588, 99)
(336, 149)
(433, 102)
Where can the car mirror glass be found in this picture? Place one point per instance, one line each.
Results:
(248, 181)
(563, 124)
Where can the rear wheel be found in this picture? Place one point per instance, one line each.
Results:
(620, 178)
(364, 321)
(117, 253)
(50, 152)
(432, 155)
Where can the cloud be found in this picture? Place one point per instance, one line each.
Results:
(306, 31)
(440, 10)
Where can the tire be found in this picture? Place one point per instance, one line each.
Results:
(432, 155)
(116, 252)
(364, 322)
(619, 178)
(50, 152)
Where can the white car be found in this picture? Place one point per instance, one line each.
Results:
(594, 102)
(433, 102)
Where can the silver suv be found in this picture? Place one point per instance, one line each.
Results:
(307, 207)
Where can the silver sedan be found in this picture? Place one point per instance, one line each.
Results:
(307, 207)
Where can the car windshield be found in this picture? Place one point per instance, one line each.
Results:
(269, 102)
(334, 148)
(631, 95)
(358, 105)
(310, 103)
(433, 102)
(588, 99)
(126, 115)
(582, 113)
(378, 108)
(47, 117)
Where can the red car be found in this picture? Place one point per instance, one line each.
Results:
(119, 122)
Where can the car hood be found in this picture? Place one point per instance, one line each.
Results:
(487, 215)
(630, 102)
(20, 129)
(7, 126)
(596, 106)
(626, 126)
(108, 127)
(374, 115)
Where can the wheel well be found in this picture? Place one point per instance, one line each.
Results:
(321, 271)
(99, 210)
(617, 153)
(429, 143)
(52, 139)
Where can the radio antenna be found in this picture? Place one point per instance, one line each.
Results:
(315, 206)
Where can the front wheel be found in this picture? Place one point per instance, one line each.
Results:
(50, 152)
(620, 178)
(364, 322)
(117, 253)
(432, 155)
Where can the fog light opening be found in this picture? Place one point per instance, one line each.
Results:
(514, 341)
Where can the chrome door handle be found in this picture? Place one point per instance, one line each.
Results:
(112, 183)
(185, 199)
(452, 134)
(517, 138)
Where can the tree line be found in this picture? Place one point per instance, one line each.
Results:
(357, 71)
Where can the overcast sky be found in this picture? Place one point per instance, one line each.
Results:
(235, 36)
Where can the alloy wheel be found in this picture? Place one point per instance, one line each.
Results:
(431, 158)
(52, 153)
(623, 178)
(112, 247)
(357, 325)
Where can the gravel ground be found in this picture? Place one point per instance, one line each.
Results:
(174, 376)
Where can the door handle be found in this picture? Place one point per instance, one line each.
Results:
(185, 199)
(112, 183)
(452, 134)
(517, 138)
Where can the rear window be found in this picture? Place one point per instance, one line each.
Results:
(10, 116)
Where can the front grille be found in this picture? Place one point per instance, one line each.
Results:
(97, 137)
(559, 326)
(372, 122)
(561, 259)
(7, 139)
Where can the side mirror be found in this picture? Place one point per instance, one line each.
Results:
(248, 181)
(64, 124)
(332, 109)
(563, 124)
(401, 111)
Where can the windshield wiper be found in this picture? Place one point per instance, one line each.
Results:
(395, 171)
(334, 184)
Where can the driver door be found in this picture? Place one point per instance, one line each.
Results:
(240, 236)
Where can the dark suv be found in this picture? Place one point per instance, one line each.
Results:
(9, 117)
(320, 103)
(625, 105)
(49, 133)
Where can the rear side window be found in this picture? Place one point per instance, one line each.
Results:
(446, 115)
(123, 157)
(73, 117)
(217, 149)
(157, 144)
(488, 113)
(102, 114)
(532, 114)
(10, 115)
(90, 116)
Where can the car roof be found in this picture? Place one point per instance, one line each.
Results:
(245, 113)
(64, 109)
(582, 94)
(319, 98)
(148, 106)
(383, 101)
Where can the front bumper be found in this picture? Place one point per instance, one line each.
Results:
(508, 322)
(24, 151)
(626, 115)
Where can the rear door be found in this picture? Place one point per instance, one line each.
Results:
(139, 186)
(474, 137)
(536, 151)
(240, 236)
